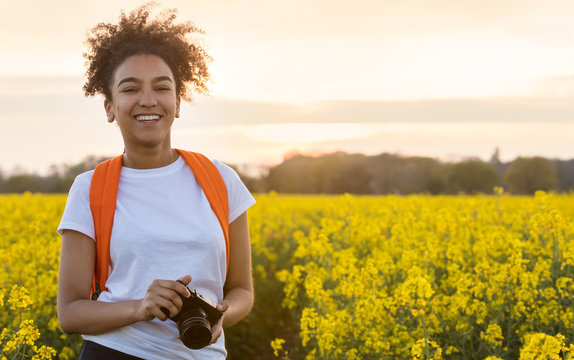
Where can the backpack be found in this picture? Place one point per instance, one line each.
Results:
(103, 196)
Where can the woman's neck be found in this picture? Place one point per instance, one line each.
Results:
(149, 158)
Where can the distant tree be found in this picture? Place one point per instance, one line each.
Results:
(469, 177)
(495, 157)
(71, 171)
(526, 175)
(255, 184)
(435, 185)
(292, 176)
(383, 175)
(57, 184)
(428, 175)
(24, 182)
(496, 163)
(405, 175)
(60, 178)
(565, 172)
(334, 173)
(339, 173)
(353, 175)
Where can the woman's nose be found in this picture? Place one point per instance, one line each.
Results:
(147, 98)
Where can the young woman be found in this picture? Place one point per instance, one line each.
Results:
(164, 228)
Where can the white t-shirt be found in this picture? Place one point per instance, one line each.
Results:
(164, 228)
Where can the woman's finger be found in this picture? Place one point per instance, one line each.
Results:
(216, 330)
(223, 305)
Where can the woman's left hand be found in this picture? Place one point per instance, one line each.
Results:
(217, 329)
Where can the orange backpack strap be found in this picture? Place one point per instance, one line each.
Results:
(103, 196)
(213, 187)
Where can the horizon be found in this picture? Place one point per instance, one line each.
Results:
(444, 80)
(258, 169)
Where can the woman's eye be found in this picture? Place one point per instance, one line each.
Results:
(129, 90)
(163, 88)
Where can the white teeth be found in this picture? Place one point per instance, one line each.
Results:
(147, 117)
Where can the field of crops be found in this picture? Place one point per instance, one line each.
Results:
(345, 277)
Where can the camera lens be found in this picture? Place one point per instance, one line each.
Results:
(194, 328)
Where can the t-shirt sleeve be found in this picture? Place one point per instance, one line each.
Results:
(78, 215)
(239, 197)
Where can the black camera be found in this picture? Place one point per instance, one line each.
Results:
(198, 314)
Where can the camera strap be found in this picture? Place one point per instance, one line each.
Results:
(103, 196)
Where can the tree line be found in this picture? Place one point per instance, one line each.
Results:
(339, 172)
(393, 174)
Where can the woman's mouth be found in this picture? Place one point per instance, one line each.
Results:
(147, 118)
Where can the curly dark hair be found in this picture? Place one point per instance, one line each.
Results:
(110, 44)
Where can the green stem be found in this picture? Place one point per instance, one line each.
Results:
(15, 356)
(427, 350)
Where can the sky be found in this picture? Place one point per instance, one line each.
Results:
(444, 78)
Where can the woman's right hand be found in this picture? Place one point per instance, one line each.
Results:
(163, 299)
(78, 314)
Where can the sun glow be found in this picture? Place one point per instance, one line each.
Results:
(299, 134)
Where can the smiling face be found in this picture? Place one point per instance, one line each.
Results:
(144, 101)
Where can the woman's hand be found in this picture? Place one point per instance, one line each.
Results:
(163, 299)
(78, 314)
(217, 329)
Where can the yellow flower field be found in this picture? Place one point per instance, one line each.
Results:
(346, 277)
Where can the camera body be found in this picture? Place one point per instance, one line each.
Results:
(198, 314)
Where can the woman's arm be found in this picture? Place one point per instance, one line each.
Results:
(78, 314)
(239, 284)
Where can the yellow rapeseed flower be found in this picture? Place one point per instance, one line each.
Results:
(542, 346)
(277, 345)
(28, 332)
(43, 353)
(419, 350)
(493, 335)
(19, 298)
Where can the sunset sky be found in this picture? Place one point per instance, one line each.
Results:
(447, 79)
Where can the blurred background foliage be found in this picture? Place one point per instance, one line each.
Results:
(339, 173)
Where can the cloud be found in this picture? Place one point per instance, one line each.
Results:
(557, 87)
(35, 99)
(220, 111)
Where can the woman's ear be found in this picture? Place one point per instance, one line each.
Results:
(109, 111)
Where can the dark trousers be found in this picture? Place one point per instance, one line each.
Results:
(93, 351)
